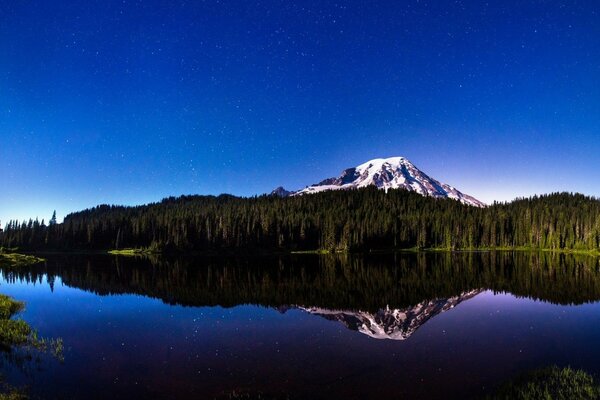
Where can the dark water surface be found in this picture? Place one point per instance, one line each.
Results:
(399, 326)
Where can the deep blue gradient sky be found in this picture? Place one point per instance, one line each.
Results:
(128, 102)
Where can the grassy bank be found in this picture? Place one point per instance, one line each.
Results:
(16, 333)
(18, 260)
(317, 252)
(132, 252)
(551, 383)
(13, 259)
(595, 253)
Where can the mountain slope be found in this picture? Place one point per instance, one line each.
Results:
(387, 173)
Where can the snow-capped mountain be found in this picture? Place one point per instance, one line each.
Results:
(394, 324)
(387, 173)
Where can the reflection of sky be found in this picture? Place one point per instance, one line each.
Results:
(129, 345)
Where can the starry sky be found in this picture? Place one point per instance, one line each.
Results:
(127, 102)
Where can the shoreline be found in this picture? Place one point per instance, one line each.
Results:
(140, 252)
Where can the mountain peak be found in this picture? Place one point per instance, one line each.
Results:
(380, 161)
(388, 173)
(281, 192)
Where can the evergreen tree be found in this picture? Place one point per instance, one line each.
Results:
(52, 219)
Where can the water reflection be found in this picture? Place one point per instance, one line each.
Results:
(387, 296)
(387, 323)
(210, 327)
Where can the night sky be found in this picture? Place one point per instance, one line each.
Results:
(128, 102)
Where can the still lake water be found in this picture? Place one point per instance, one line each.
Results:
(448, 325)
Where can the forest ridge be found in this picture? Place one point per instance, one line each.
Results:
(352, 220)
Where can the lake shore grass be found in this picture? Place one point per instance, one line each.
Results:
(30, 257)
(132, 252)
(594, 253)
(516, 248)
(550, 383)
(12, 332)
(315, 252)
(17, 333)
(527, 249)
(15, 260)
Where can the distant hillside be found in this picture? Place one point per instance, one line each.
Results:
(354, 220)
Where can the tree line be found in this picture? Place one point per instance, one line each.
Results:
(353, 220)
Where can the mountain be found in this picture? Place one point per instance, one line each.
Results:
(387, 173)
(281, 192)
(394, 324)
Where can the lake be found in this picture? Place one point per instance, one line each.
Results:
(408, 325)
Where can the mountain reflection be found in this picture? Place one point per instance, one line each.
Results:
(383, 296)
(394, 324)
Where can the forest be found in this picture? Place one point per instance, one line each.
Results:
(354, 220)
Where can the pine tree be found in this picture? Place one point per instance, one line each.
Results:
(52, 219)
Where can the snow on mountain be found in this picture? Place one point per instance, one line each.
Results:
(387, 173)
(393, 324)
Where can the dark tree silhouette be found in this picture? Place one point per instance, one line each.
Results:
(355, 220)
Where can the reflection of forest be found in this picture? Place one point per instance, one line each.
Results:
(337, 282)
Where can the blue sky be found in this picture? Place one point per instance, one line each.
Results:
(131, 101)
